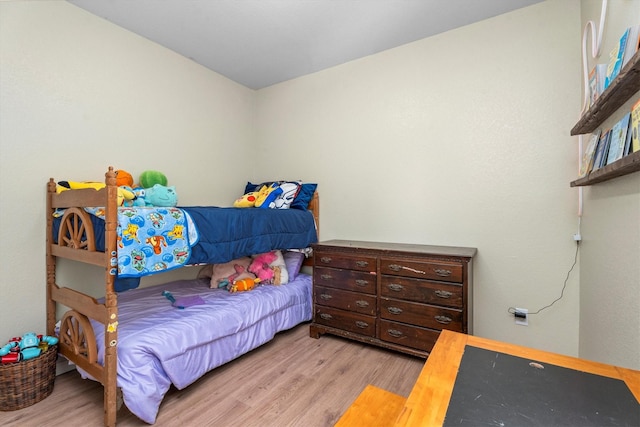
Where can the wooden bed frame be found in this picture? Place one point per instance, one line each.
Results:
(77, 340)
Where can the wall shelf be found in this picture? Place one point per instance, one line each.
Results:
(619, 91)
(624, 166)
(623, 87)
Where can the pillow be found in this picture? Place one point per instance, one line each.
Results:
(279, 262)
(293, 261)
(289, 192)
(267, 196)
(249, 188)
(304, 197)
(246, 201)
(237, 268)
(205, 272)
(301, 199)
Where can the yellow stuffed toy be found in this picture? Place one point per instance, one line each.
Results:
(246, 201)
(267, 195)
(78, 185)
(124, 194)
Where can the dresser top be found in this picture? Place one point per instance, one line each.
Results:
(401, 247)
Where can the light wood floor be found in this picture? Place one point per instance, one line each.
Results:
(294, 380)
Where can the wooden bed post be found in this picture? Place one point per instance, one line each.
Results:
(51, 262)
(314, 207)
(111, 302)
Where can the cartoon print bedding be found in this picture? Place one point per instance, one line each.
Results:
(152, 240)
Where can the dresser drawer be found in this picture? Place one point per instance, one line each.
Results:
(425, 315)
(345, 320)
(345, 300)
(345, 279)
(338, 260)
(408, 336)
(436, 270)
(421, 291)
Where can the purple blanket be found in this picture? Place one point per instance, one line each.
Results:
(160, 345)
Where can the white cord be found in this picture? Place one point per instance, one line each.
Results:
(596, 44)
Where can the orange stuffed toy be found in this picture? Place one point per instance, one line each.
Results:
(243, 285)
(124, 178)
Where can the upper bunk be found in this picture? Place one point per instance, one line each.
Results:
(216, 234)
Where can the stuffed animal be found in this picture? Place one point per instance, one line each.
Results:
(261, 268)
(277, 275)
(240, 274)
(78, 185)
(246, 201)
(243, 285)
(123, 178)
(150, 178)
(125, 194)
(159, 196)
(267, 196)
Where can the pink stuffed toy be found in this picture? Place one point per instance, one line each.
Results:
(261, 268)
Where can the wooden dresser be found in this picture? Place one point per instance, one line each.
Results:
(397, 296)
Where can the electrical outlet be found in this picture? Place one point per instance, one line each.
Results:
(522, 316)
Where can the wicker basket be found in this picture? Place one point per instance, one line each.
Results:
(24, 383)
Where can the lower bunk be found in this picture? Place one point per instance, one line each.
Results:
(160, 345)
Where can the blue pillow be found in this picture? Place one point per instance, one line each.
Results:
(304, 197)
(254, 187)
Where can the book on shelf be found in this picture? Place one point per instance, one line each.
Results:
(588, 154)
(618, 139)
(615, 58)
(634, 127)
(627, 143)
(633, 42)
(597, 77)
(601, 151)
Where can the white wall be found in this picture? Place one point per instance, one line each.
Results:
(459, 139)
(78, 94)
(610, 252)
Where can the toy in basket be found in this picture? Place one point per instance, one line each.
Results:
(27, 371)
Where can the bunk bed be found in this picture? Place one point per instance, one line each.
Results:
(136, 343)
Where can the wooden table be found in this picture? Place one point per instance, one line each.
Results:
(429, 400)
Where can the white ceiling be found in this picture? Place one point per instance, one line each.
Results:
(258, 43)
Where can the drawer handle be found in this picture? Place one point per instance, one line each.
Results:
(395, 333)
(325, 297)
(362, 303)
(394, 310)
(396, 287)
(325, 259)
(326, 316)
(362, 325)
(443, 294)
(362, 263)
(442, 272)
(396, 268)
(443, 319)
(326, 276)
(362, 283)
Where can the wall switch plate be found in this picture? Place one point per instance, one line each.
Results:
(522, 316)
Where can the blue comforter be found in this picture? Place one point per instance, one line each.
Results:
(229, 233)
(225, 233)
